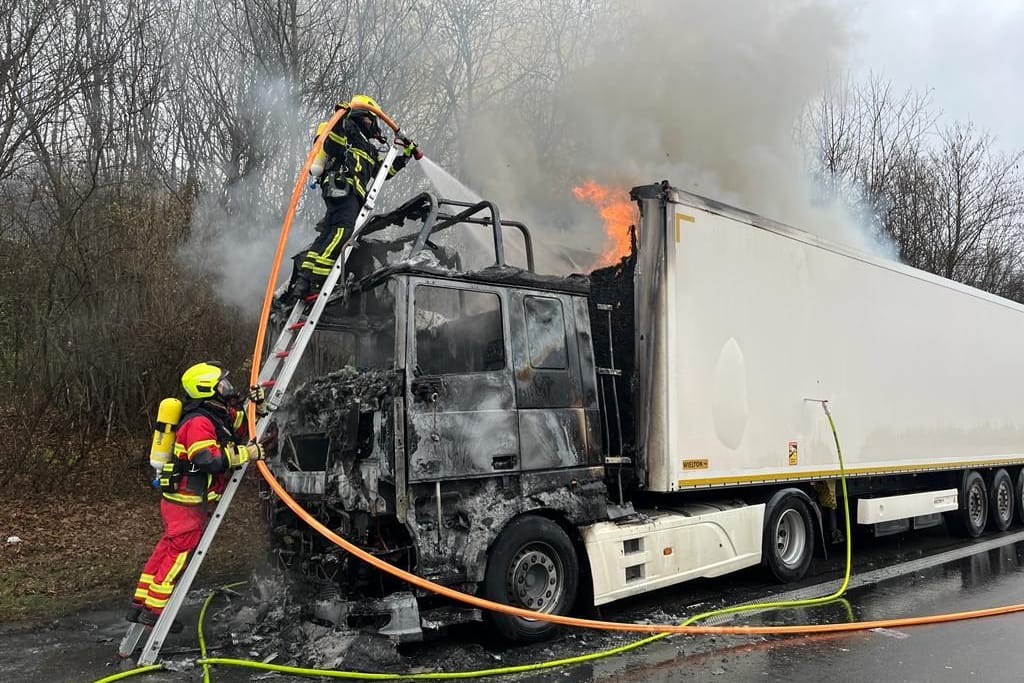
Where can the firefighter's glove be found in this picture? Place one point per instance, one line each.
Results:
(410, 149)
(256, 450)
(258, 397)
(238, 455)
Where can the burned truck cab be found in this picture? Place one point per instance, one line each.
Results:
(446, 419)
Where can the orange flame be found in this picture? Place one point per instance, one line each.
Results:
(618, 213)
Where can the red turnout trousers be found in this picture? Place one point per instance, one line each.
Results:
(183, 527)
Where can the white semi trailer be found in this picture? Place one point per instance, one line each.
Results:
(548, 441)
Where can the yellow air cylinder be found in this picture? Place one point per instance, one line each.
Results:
(167, 417)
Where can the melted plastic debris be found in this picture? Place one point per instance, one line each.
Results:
(323, 403)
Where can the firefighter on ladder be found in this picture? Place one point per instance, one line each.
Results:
(344, 169)
(210, 441)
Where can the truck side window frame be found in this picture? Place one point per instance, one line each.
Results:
(466, 351)
(546, 336)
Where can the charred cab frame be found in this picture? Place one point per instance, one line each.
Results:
(437, 405)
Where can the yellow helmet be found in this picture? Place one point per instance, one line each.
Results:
(206, 380)
(362, 102)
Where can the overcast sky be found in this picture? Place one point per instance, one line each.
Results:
(969, 52)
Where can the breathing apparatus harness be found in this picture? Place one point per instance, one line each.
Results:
(176, 468)
(333, 180)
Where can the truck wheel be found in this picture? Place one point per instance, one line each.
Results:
(788, 542)
(969, 520)
(532, 564)
(1001, 499)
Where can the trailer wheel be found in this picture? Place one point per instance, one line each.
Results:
(969, 520)
(1001, 501)
(788, 542)
(532, 564)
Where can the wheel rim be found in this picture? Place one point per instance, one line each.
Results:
(976, 506)
(536, 578)
(790, 537)
(1004, 498)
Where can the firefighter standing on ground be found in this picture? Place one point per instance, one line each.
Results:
(344, 169)
(210, 441)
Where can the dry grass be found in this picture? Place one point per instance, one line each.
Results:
(80, 551)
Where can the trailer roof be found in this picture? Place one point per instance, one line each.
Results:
(666, 192)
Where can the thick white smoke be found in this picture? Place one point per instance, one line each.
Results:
(234, 234)
(706, 94)
(702, 93)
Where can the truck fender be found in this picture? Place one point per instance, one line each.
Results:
(478, 552)
(815, 508)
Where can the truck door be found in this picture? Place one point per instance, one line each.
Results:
(553, 427)
(462, 413)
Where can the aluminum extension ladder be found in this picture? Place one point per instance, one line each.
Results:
(274, 377)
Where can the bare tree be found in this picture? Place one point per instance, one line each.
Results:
(977, 192)
(945, 197)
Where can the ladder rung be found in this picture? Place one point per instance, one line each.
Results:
(282, 354)
(268, 383)
(295, 326)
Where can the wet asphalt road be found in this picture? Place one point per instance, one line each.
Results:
(918, 574)
(987, 649)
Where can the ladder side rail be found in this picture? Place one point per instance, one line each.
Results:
(130, 640)
(282, 344)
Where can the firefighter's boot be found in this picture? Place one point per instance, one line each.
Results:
(149, 619)
(300, 288)
(135, 612)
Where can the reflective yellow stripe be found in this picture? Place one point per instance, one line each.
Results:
(199, 445)
(340, 139)
(156, 603)
(179, 450)
(332, 245)
(360, 154)
(141, 594)
(239, 417)
(192, 498)
(850, 472)
(312, 255)
(358, 185)
(172, 574)
(188, 498)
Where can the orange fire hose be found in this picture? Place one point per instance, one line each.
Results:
(482, 603)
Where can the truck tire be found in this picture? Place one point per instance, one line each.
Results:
(970, 519)
(1001, 501)
(788, 541)
(532, 564)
